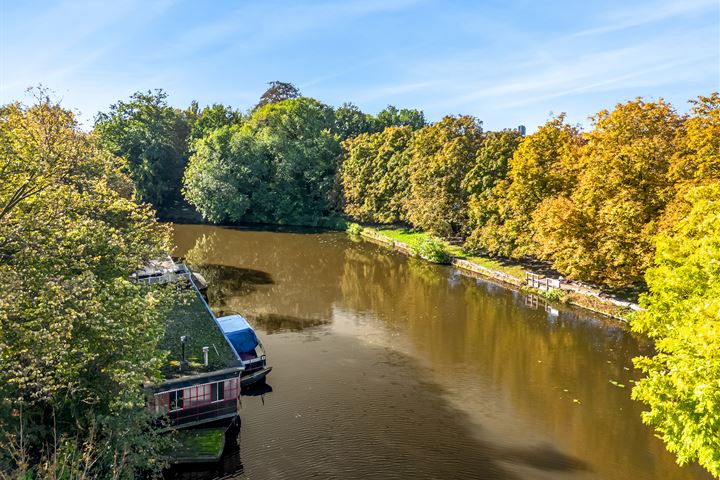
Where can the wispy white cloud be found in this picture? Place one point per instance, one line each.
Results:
(638, 15)
(500, 61)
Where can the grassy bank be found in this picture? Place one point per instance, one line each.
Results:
(412, 238)
(509, 271)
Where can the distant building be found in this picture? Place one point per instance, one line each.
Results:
(521, 130)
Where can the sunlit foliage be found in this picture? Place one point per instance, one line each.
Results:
(77, 338)
(602, 228)
(152, 137)
(375, 177)
(278, 167)
(544, 165)
(682, 386)
(441, 155)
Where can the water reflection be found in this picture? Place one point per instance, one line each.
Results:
(389, 367)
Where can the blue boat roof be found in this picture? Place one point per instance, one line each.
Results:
(233, 323)
(239, 332)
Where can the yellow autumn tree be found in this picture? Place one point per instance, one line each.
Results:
(697, 156)
(542, 166)
(603, 230)
(441, 155)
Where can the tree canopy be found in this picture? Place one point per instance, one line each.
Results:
(278, 167)
(350, 121)
(75, 334)
(602, 229)
(543, 165)
(391, 116)
(683, 317)
(152, 136)
(375, 177)
(204, 121)
(441, 155)
(277, 92)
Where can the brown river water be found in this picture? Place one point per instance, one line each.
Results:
(388, 367)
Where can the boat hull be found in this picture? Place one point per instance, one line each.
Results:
(254, 377)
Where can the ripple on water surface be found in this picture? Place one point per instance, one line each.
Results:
(385, 367)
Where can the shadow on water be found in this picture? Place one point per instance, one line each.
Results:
(226, 281)
(257, 390)
(274, 323)
(455, 453)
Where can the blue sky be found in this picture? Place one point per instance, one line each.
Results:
(506, 62)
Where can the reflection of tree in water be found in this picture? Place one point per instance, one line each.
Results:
(542, 363)
(226, 282)
(297, 294)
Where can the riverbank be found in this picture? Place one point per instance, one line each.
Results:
(507, 271)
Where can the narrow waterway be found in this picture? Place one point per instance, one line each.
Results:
(389, 367)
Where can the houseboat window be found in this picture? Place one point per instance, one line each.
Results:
(231, 388)
(197, 395)
(176, 400)
(218, 391)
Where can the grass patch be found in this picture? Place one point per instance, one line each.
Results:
(189, 317)
(205, 443)
(501, 265)
(404, 235)
(411, 237)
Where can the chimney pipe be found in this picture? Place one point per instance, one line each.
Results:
(183, 361)
(205, 355)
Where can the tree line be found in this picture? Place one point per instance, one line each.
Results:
(635, 196)
(276, 163)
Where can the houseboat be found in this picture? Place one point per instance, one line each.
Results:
(210, 359)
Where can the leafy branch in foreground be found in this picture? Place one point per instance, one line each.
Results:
(77, 338)
(683, 317)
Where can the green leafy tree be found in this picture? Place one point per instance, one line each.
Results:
(492, 161)
(77, 338)
(491, 167)
(202, 122)
(603, 229)
(280, 166)
(350, 121)
(543, 166)
(442, 154)
(152, 136)
(681, 388)
(375, 176)
(227, 176)
(391, 116)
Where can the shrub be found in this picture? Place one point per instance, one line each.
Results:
(431, 249)
(354, 229)
(553, 295)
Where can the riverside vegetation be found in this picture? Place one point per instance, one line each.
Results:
(634, 198)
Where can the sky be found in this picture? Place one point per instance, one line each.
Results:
(506, 62)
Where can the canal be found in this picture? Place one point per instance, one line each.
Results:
(389, 367)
